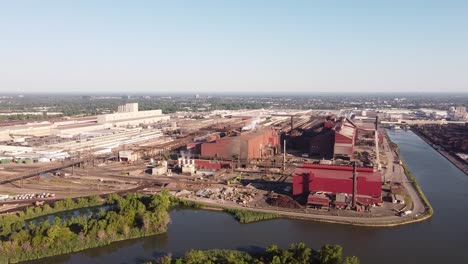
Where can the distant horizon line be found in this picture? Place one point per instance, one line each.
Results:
(224, 93)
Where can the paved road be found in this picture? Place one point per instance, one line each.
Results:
(367, 221)
(399, 176)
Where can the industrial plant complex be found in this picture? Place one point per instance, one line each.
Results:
(306, 162)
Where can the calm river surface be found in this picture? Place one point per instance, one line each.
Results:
(442, 239)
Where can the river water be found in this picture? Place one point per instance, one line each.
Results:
(442, 239)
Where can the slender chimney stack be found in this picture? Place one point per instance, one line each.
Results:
(284, 155)
(377, 159)
(354, 184)
(292, 123)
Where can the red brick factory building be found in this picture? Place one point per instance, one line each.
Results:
(245, 146)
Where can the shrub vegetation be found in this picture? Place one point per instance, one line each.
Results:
(130, 217)
(248, 216)
(296, 254)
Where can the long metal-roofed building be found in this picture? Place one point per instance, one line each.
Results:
(129, 115)
(345, 137)
(245, 147)
(313, 178)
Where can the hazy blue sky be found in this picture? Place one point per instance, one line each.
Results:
(234, 46)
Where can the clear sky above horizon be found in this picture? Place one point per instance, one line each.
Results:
(233, 46)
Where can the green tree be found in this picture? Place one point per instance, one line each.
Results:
(276, 260)
(301, 253)
(330, 254)
(165, 260)
(271, 252)
(94, 200)
(160, 202)
(112, 198)
(351, 260)
(195, 257)
(57, 221)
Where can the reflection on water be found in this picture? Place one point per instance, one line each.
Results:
(69, 214)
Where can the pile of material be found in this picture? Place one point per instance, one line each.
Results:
(176, 186)
(182, 193)
(206, 193)
(283, 201)
(237, 195)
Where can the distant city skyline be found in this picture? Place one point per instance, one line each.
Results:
(233, 46)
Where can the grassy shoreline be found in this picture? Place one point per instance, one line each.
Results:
(250, 216)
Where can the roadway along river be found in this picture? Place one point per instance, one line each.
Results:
(442, 239)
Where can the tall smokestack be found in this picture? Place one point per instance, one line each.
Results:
(292, 123)
(354, 184)
(284, 155)
(377, 159)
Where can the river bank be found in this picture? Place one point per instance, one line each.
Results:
(448, 155)
(354, 221)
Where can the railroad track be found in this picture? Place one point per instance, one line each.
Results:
(52, 168)
(47, 169)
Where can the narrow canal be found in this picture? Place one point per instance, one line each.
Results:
(442, 239)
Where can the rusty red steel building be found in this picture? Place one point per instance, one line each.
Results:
(345, 138)
(212, 164)
(330, 139)
(338, 179)
(246, 146)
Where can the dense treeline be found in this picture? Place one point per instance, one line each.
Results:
(296, 254)
(25, 117)
(129, 217)
(247, 216)
(11, 222)
(77, 105)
